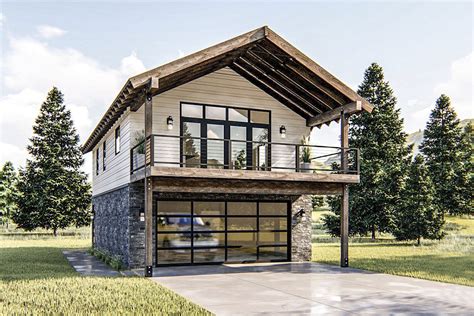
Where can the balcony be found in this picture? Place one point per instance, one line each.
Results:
(194, 157)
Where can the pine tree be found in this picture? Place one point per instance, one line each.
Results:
(443, 155)
(464, 174)
(8, 191)
(384, 157)
(54, 193)
(418, 217)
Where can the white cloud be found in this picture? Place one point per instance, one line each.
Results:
(2, 19)
(32, 68)
(460, 86)
(48, 31)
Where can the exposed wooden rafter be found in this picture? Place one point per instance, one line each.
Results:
(335, 114)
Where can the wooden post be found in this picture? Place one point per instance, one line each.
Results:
(148, 187)
(345, 192)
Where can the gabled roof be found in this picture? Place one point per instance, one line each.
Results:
(262, 57)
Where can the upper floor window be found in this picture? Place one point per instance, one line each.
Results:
(104, 155)
(117, 140)
(97, 161)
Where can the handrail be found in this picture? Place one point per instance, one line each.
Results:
(263, 162)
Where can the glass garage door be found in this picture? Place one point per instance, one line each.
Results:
(193, 232)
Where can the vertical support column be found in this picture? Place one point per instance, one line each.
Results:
(345, 192)
(148, 187)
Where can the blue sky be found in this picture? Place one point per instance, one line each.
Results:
(88, 49)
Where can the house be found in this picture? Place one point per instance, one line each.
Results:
(201, 160)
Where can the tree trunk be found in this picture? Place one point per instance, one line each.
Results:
(373, 232)
(55, 231)
(419, 241)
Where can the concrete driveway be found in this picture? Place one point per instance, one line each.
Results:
(311, 288)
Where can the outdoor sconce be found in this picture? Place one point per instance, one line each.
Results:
(300, 213)
(170, 122)
(297, 217)
(142, 216)
(283, 131)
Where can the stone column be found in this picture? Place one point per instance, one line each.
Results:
(301, 229)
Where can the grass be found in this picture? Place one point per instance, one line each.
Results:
(449, 260)
(35, 278)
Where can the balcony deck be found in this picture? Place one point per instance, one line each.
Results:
(274, 166)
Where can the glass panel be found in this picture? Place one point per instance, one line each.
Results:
(273, 223)
(215, 113)
(273, 208)
(209, 208)
(173, 223)
(239, 147)
(273, 253)
(191, 147)
(242, 208)
(260, 117)
(209, 239)
(191, 110)
(174, 256)
(259, 150)
(210, 223)
(174, 240)
(243, 246)
(173, 207)
(265, 238)
(215, 148)
(238, 115)
(241, 223)
(209, 255)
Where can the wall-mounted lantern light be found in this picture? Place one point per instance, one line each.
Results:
(170, 122)
(283, 131)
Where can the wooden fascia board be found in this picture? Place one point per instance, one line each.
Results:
(334, 114)
(316, 68)
(200, 56)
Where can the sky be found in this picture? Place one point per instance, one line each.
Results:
(88, 49)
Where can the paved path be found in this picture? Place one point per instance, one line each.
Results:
(311, 288)
(89, 265)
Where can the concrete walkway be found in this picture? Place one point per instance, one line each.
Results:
(311, 288)
(89, 265)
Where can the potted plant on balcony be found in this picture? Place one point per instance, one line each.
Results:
(305, 153)
(138, 154)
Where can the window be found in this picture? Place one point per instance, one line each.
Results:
(191, 110)
(104, 155)
(97, 161)
(117, 140)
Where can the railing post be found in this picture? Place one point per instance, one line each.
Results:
(297, 158)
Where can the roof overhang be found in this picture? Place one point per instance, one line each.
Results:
(262, 57)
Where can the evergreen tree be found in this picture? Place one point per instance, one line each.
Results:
(443, 154)
(418, 216)
(8, 191)
(383, 160)
(54, 193)
(464, 174)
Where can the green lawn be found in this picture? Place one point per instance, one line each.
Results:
(35, 278)
(450, 260)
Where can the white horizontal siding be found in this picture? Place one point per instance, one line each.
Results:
(223, 87)
(117, 171)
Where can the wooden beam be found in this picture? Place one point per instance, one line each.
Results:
(200, 56)
(316, 68)
(345, 192)
(148, 187)
(275, 94)
(335, 114)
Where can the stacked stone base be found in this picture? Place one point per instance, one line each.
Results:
(119, 231)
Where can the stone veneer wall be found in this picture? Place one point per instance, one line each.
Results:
(301, 229)
(111, 232)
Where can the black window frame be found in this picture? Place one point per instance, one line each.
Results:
(118, 140)
(226, 231)
(104, 155)
(204, 121)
